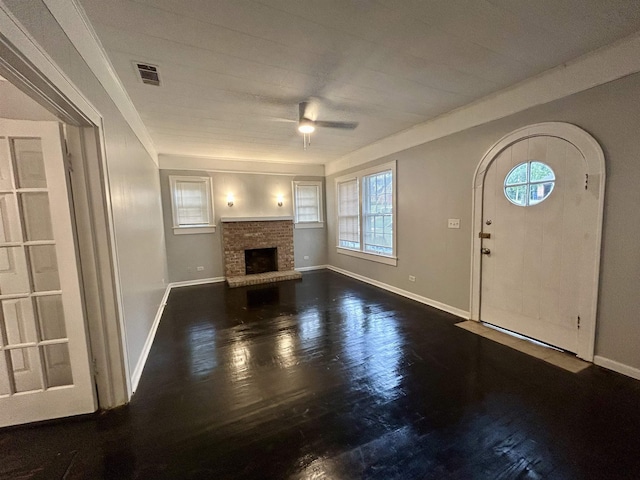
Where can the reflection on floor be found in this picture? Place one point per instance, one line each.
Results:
(550, 355)
(330, 378)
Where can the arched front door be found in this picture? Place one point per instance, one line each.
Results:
(538, 199)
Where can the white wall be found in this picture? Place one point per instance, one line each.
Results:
(132, 178)
(434, 183)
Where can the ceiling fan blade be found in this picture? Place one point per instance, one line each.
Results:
(342, 125)
(281, 120)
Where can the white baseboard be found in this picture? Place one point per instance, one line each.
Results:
(413, 296)
(137, 372)
(617, 367)
(308, 269)
(202, 281)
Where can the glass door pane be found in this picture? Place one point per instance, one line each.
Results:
(26, 370)
(36, 216)
(29, 163)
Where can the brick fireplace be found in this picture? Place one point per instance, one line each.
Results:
(250, 233)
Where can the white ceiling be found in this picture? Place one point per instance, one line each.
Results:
(233, 71)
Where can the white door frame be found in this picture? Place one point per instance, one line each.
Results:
(595, 168)
(30, 68)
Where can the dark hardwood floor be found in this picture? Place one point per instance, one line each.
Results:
(329, 378)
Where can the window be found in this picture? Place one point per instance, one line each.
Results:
(366, 211)
(348, 214)
(377, 210)
(307, 198)
(529, 183)
(192, 205)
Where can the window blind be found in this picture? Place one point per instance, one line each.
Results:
(307, 203)
(348, 214)
(191, 201)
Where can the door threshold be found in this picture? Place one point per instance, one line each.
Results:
(534, 348)
(523, 337)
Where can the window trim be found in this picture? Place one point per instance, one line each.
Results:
(307, 183)
(359, 176)
(178, 229)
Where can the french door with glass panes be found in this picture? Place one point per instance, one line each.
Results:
(44, 361)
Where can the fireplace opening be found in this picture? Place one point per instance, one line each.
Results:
(261, 260)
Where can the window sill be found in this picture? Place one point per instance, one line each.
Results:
(309, 225)
(194, 230)
(393, 261)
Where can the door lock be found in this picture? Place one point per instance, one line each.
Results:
(485, 251)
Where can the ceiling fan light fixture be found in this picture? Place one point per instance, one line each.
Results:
(306, 126)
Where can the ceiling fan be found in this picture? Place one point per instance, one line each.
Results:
(307, 123)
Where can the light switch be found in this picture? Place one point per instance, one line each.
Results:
(454, 223)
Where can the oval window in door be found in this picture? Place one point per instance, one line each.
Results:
(529, 183)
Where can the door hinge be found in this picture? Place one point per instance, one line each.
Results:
(578, 321)
(586, 181)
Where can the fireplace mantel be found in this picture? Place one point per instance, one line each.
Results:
(254, 219)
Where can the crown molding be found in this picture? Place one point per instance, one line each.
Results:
(601, 66)
(74, 22)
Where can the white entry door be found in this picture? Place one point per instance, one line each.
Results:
(538, 220)
(44, 361)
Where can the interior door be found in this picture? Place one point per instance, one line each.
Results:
(535, 216)
(44, 361)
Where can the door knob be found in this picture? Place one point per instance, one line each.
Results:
(485, 251)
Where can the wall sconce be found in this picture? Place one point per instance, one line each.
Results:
(230, 200)
(280, 200)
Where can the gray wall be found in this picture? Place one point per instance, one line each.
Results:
(133, 180)
(255, 195)
(434, 183)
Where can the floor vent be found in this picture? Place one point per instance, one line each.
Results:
(148, 74)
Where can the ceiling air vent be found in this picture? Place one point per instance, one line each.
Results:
(148, 74)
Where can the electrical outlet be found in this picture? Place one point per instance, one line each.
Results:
(306, 257)
(412, 278)
(200, 269)
(454, 223)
